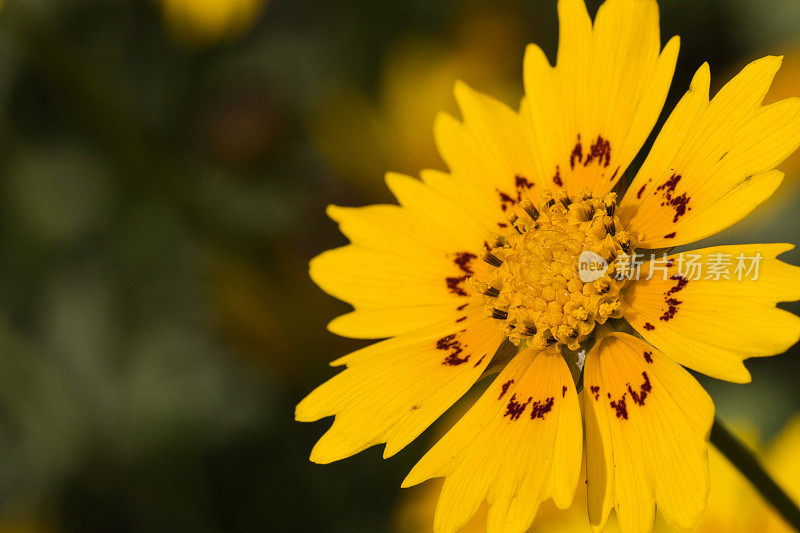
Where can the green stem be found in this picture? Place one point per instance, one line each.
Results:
(748, 464)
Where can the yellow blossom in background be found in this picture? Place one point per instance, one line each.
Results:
(207, 22)
(787, 85)
(528, 244)
(361, 136)
(733, 504)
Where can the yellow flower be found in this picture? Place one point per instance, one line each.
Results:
(206, 22)
(733, 504)
(494, 253)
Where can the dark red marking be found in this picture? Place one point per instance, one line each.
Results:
(505, 387)
(522, 183)
(502, 224)
(648, 326)
(452, 344)
(539, 409)
(600, 150)
(596, 391)
(563, 391)
(463, 318)
(620, 407)
(505, 200)
(679, 203)
(464, 260)
(640, 396)
(479, 361)
(682, 282)
(462, 307)
(639, 194)
(454, 285)
(673, 304)
(577, 153)
(669, 186)
(557, 178)
(670, 235)
(672, 308)
(648, 356)
(614, 175)
(514, 409)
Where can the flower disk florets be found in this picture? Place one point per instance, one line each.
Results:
(553, 277)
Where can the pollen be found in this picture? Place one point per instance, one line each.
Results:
(539, 283)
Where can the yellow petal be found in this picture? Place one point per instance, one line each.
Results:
(407, 265)
(652, 421)
(519, 445)
(392, 390)
(710, 164)
(712, 325)
(588, 116)
(487, 154)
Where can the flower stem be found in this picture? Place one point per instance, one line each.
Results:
(748, 464)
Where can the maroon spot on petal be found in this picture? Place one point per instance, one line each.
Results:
(505, 387)
(639, 194)
(672, 308)
(479, 361)
(614, 175)
(669, 185)
(648, 356)
(514, 409)
(648, 326)
(673, 304)
(563, 391)
(577, 153)
(539, 409)
(455, 285)
(682, 282)
(645, 388)
(464, 260)
(521, 182)
(505, 200)
(679, 203)
(596, 391)
(462, 307)
(670, 235)
(452, 344)
(620, 407)
(557, 178)
(463, 318)
(599, 151)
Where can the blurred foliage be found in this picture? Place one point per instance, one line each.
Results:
(165, 168)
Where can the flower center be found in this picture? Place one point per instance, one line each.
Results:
(554, 277)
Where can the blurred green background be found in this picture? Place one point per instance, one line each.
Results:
(165, 169)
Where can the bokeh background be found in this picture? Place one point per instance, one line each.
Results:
(164, 169)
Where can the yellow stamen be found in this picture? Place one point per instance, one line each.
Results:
(536, 284)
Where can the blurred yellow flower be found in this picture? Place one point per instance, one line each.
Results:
(733, 504)
(361, 137)
(786, 85)
(207, 22)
